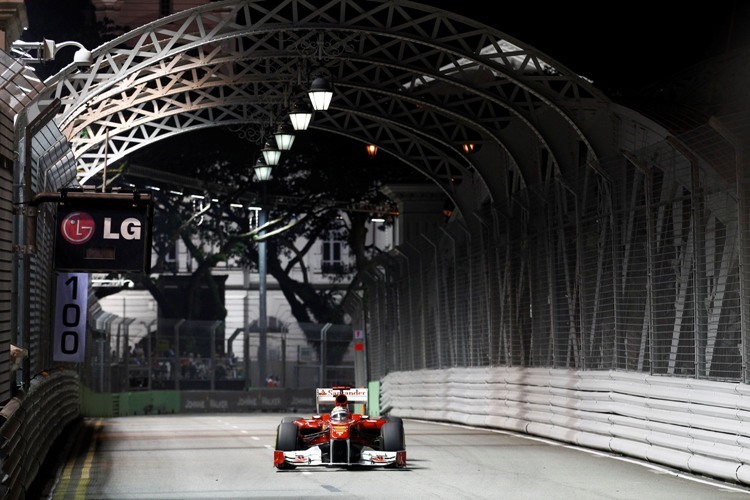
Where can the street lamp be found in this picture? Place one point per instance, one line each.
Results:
(300, 114)
(271, 154)
(262, 170)
(284, 136)
(263, 173)
(47, 49)
(372, 150)
(321, 93)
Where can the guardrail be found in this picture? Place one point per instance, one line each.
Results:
(694, 425)
(30, 425)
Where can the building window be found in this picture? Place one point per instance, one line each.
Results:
(332, 252)
(170, 260)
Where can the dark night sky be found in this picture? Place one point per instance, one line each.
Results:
(620, 46)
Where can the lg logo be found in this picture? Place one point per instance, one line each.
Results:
(79, 227)
(130, 229)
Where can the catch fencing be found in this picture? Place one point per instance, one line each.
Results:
(637, 263)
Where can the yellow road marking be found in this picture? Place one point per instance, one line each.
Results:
(86, 469)
(66, 477)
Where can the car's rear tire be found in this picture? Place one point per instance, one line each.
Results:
(286, 420)
(392, 436)
(394, 420)
(286, 437)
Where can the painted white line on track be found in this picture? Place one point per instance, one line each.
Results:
(654, 467)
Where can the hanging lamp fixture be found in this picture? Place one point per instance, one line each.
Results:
(271, 153)
(300, 114)
(262, 170)
(321, 93)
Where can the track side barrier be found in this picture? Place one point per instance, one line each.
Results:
(693, 425)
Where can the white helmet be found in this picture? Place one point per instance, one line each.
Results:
(339, 413)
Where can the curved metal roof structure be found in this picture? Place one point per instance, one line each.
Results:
(417, 81)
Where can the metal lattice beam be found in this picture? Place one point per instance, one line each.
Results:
(403, 71)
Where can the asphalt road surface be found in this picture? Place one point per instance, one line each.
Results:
(230, 456)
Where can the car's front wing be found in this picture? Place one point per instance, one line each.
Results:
(313, 457)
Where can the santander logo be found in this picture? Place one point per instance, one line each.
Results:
(77, 228)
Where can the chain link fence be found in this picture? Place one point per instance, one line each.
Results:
(636, 263)
(178, 354)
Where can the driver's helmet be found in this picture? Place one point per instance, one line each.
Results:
(339, 413)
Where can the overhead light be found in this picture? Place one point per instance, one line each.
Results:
(468, 147)
(321, 93)
(262, 170)
(271, 154)
(284, 136)
(300, 114)
(372, 150)
(46, 50)
(83, 58)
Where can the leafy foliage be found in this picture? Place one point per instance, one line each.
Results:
(324, 187)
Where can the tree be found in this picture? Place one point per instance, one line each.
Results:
(321, 188)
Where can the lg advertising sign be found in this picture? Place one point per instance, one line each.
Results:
(103, 233)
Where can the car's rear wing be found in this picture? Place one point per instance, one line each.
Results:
(328, 396)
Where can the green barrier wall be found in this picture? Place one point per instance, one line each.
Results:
(120, 404)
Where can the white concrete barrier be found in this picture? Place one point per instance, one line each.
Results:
(698, 426)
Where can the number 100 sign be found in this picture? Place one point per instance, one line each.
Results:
(71, 307)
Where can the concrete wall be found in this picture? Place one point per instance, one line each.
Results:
(694, 425)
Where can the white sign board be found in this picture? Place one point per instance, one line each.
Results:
(71, 307)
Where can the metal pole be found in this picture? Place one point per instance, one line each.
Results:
(29, 231)
(212, 349)
(246, 330)
(323, 354)
(439, 322)
(742, 179)
(283, 360)
(101, 342)
(178, 360)
(262, 320)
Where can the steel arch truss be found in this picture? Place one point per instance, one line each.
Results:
(417, 80)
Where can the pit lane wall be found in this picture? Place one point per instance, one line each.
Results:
(29, 425)
(693, 425)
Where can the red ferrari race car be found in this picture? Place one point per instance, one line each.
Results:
(341, 437)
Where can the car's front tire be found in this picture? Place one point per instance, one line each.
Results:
(286, 437)
(286, 440)
(392, 436)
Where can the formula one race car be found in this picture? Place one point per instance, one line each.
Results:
(341, 437)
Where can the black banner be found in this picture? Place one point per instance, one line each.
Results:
(103, 234)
